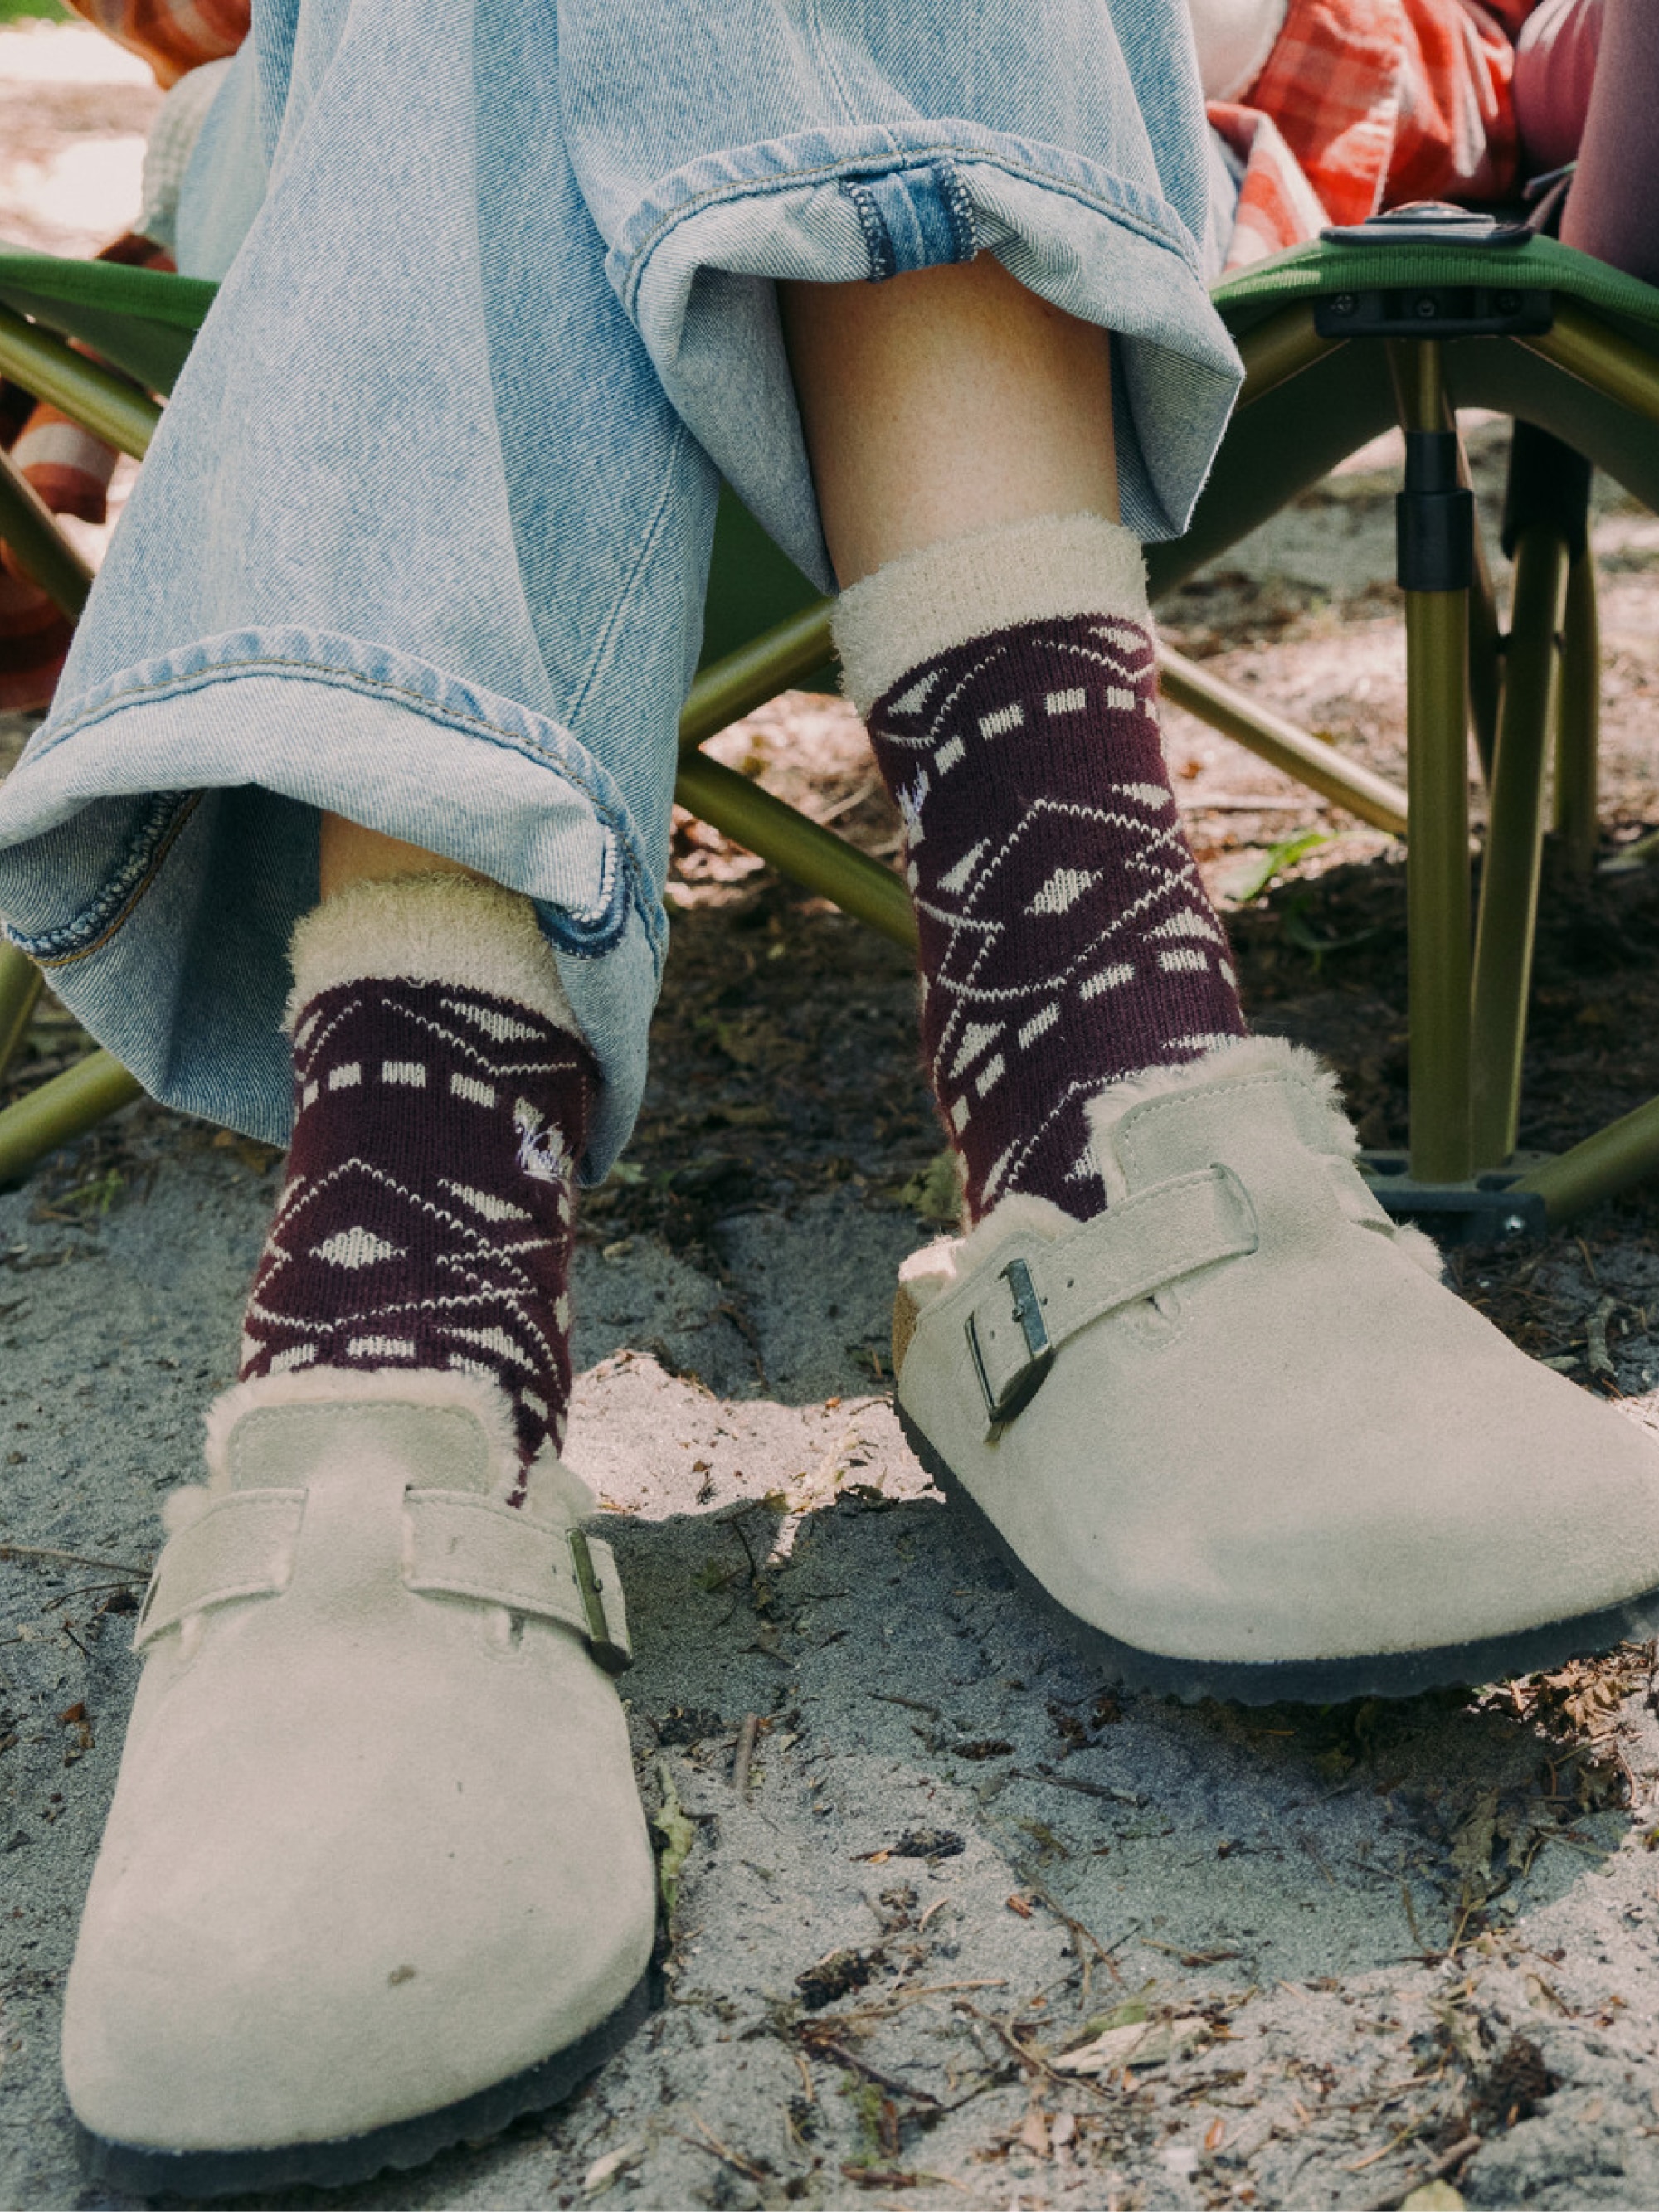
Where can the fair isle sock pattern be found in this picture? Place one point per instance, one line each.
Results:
(428, 1214)
(1067, 941)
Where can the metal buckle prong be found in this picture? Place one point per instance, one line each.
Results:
(1001, 1405)
(607, 1654)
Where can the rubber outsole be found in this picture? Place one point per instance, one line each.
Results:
(145, 2171)
(1305, 1681)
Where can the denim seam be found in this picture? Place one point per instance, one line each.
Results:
(821, 41)
(488, 350)
(352, 679)
(877, 242)
(915, 157)
(471, 725)
(625, 597)
(959, 209)
(38, 948)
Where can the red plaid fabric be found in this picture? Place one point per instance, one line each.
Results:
(1277, 206)
(1372, 103)
(173, 36)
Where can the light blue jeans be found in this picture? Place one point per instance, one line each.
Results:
(424, 536)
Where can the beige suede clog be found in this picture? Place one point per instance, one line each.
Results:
(1241, 1436)
(376, 1878)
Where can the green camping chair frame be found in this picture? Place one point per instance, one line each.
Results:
(1340, 340)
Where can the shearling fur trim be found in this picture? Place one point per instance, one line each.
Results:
(439, 1388)
(924, 602)
(554, 1492)
(1416, 1244)
(925, 1273)
(936, 1266)
(1240, 1056)
(436, 928)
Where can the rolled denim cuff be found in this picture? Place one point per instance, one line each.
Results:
(160, 841)
(695, 262)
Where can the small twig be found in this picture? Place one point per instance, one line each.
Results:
(1375, 2157)
(1079, 1935)
(1411, 1916)
(745, 1753)
(912, 1704)
(1313, 1854)
(719, 2150)
(824, 2049)
(1067, 1782)
(1448, 2162)
(86, 1590)
(1598, 1358)
(75, 1641)
(73, 1559)
(1032, 2061)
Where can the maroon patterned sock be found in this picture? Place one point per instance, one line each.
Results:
(428, 1214)
(1067, 941)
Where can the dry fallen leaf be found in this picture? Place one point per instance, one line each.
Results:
(604, 2171)
(1035, 2133)
(1138, 2042)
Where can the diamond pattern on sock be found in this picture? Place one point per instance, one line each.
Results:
(428, 1213)
(1067, 941)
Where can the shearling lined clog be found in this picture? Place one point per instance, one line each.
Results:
(1239, 1433)
(376, 1878)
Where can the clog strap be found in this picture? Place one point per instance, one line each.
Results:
(1045, 1291)
(240, 1546)
(466, 1547)
(244, 1545)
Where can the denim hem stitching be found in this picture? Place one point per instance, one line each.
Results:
(635, 259)
(959, 212)
(877, 243)
(109, 911)
(622, 870)
(355, 680)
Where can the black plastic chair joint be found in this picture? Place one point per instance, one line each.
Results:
(1434, 517)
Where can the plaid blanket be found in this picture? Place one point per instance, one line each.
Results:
(1366, 103)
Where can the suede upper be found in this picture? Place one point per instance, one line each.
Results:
(1306, 1450)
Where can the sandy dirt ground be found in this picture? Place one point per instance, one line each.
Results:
(1343, 1955)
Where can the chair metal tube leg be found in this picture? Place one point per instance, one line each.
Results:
(1486, 669)
(1616, 1159)
(1435, 553)
(1577, 797)
(28, 526)
(66, 1107)
(1437, 885)
(804, 850)
(1514, 840)
(1310, 760)
(101, 402)
(20, 985)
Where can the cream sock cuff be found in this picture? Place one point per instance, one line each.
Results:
(436, 928)
(924, 602)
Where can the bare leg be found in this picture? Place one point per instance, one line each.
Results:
(1614, 210)
(351, 854)
(946, 401)
(994, 629)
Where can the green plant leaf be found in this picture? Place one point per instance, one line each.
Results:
(678, 1833)
(1250, 880)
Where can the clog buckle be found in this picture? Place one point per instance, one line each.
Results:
(1012, 1353)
